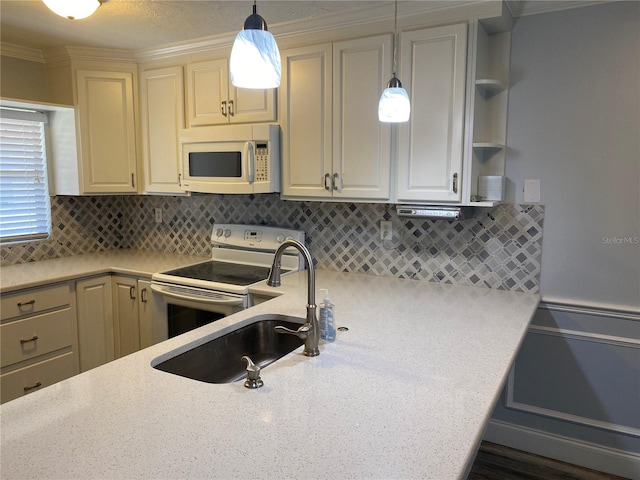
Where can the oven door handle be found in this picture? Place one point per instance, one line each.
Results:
(215, 301)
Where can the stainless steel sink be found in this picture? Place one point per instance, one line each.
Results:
(220, 360)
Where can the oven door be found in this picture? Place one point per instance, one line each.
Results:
(179, 309)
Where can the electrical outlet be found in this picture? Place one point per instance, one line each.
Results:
(386, 230)
(158, 212)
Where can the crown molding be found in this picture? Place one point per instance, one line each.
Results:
(341, 24)
(520, 8)
(23, 53)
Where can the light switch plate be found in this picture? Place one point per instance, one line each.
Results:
(158, 214)
(532, 191)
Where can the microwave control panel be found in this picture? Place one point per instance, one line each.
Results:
(262, 162)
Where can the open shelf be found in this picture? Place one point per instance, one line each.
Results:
(488, 145)
(490, 85)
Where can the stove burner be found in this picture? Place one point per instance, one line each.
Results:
(222, 272)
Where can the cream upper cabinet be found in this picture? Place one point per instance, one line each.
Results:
(213, 100)
(96, 152)
(161, 118)
(107, 132)
(430, 146)
(333, 144)
(305, 121)
(361, 143)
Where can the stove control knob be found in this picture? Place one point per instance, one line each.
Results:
(219, 232)
(227, 233)
(280, 238)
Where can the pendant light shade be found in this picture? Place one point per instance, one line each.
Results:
(72, 9)
(255, 58)
(394, 105)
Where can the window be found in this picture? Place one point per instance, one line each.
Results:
(25, 210)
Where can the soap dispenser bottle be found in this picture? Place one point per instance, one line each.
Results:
(327, 321)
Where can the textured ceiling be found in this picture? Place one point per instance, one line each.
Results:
(139, 24)
(136, 24)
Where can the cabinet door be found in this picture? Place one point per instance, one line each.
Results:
(208, 93)
(107, 131)
(361, 143)
(95, 322)
(162, 116)
(126, 323)
(305, 120)
(145, 313)
(430, 145)
(252, 105)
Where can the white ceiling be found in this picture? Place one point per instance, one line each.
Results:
(140, 24)
(137, 24)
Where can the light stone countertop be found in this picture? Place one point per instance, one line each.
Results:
(132, 262)
(405, 393)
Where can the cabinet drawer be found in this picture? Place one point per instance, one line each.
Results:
(34, 336)
(37, 376)
(28, 302)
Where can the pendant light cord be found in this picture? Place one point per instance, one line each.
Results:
(395, 38)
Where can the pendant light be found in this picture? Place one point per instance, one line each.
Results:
(255, 58)
(394, 105)
(72, 9)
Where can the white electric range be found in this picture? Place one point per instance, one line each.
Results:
(189, 297)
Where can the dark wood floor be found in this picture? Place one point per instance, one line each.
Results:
(495, 462)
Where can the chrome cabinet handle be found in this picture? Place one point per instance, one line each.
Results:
(335, 180)
(143, 295)
(327, 182)
(26, 304)
(132, 292)
(231, 112)
(455, 183)
(32, 387)
(223, 109)
(32, 339)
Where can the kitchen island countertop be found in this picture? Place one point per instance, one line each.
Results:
(406, 392)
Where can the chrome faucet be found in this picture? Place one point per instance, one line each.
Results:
(309, 331)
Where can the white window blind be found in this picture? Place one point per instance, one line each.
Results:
(25, 211)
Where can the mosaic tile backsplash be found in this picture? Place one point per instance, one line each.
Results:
(498, 248)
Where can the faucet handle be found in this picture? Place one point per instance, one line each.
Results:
(302, 332)
(253, 374)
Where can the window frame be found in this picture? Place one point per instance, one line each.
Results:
(44, 232)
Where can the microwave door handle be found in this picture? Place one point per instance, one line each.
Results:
(251, 161)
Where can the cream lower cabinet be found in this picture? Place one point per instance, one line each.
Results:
(132, 314)
(431, 145)
(161, 118)
(38, 335)
(333, 146)
(95, 321)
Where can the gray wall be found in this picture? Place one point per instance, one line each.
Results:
(574, 123)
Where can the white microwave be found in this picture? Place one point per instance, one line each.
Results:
(230, 159)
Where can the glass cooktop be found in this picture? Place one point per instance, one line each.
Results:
(222, 272)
